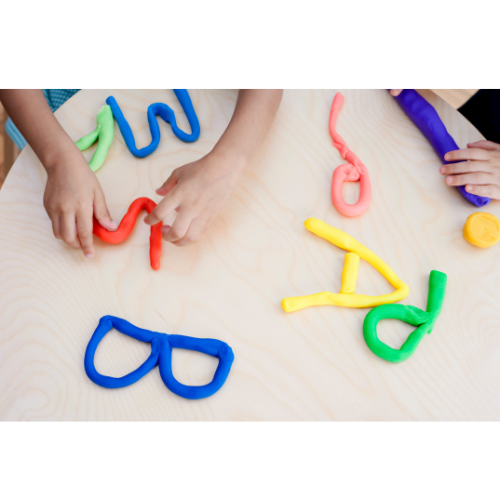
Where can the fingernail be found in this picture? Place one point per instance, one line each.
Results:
(447, 156)
(114, 225)
(448, 180)
(89, 255)
(468, 188)
(441, 170)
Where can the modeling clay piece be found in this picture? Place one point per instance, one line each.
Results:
(425, 117)
(126, 226)
(165, 113)
(348, 172)
(482, 229)
(104, 132)
(161, 355)
(347, 297)
(409, 314)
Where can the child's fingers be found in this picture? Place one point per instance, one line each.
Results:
(195, 230)
(101, 212)
(84, 228)
(467, 154)
(488, 145)
(162, 210)
(169, 184)
(489, 191)
(475, 178)
(179, 227)
(68, 230)
(465, 167)
(396, 92)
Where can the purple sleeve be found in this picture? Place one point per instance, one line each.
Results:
(425, 117)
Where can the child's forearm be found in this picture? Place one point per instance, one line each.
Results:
(253, 116)
(36, 122)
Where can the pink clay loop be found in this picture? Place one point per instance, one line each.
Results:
(348, 172)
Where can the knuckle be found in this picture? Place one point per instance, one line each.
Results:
(159, 214)
(70, 241)
(102, 212)
(50, 206)
(175, 233)
(85, 234)
(65, 208)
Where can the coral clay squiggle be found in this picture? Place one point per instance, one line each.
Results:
(348, 172)
(126, 226)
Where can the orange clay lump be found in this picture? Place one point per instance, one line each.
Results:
(482, 229)
(126, 226)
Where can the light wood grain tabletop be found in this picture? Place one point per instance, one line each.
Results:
(307, 365)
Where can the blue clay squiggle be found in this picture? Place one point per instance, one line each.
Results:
(161, 355)
(167, 114)
(425, 117)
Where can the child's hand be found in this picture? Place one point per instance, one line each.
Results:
(72, 195)
(197, 192)
(396, 92)
(478, 169)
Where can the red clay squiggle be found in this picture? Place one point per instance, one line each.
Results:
(126, 226)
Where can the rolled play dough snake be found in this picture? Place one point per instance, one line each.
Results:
(104, 133)
(425, 117)
(348, 172)
(167, 114)
(126, 226)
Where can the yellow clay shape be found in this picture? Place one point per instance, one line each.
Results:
(347, 297)
(350, 273)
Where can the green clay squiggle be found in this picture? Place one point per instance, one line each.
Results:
(104, 132)
(425, 321)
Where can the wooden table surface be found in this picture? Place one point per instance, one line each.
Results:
(308, 365)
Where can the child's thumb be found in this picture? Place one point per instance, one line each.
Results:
(102, 214)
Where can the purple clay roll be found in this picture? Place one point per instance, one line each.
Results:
(425, 117)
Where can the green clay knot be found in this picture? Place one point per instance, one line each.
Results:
(425, 321)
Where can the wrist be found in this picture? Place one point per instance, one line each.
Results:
(228, 160)
(62, 157)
